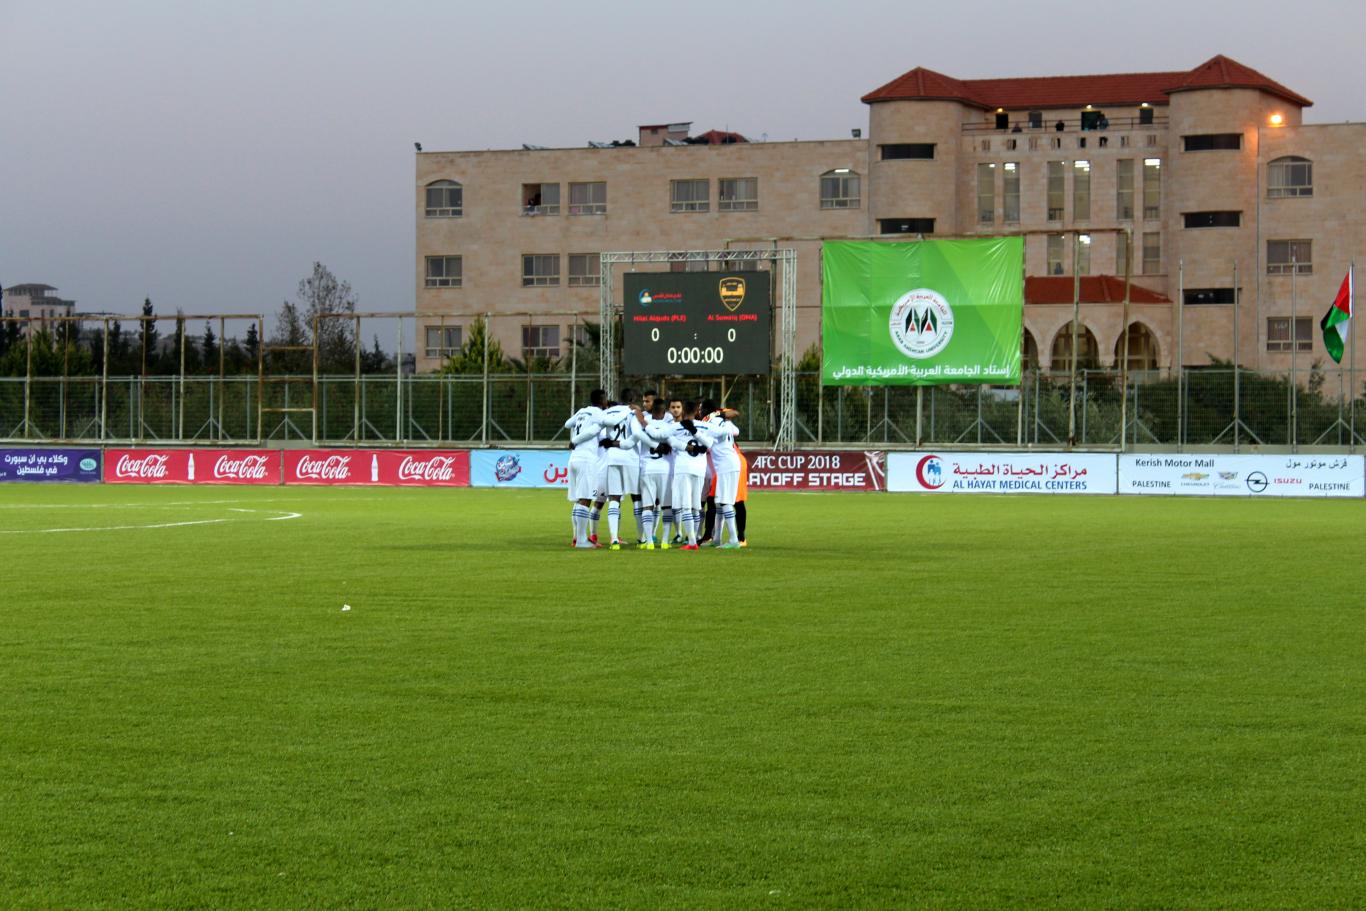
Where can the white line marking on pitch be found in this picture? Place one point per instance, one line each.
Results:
(48, 531)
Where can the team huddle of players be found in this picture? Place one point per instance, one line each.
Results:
(666, 456)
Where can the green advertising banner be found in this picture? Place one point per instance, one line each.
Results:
(927, 313)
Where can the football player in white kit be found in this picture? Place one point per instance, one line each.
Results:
(584, 432)
(726, 463)
(656, 475)
(621, 433)
(690, 440)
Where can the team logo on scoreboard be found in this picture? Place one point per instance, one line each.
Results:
(645, 298)
(732, 293)
(921, 323)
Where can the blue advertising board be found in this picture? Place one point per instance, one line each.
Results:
(50, 465)
(519, 468)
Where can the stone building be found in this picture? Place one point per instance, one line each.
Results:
(1208, 172)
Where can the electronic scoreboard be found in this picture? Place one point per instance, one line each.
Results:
(697, 323)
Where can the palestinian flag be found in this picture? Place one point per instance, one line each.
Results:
(1334, 322)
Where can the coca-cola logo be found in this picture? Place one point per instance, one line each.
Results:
(436, 468)
(247, 468)
(329, 468)
(152, 466)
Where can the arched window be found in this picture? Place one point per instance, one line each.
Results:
(1029, 356)
(1142, 348)
(445, 199)
(1088, 352)
(1290, 176)
(840, 189)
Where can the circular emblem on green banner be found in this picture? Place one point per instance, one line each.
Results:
(921, 323)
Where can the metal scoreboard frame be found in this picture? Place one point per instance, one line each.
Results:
(784, 262)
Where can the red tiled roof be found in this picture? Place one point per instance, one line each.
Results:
(1220, 72)
(925, 85)
(1034, 92)
(1095, 289)
(717, 137)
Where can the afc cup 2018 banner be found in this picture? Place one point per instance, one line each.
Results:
(1243, 475)
(192, 466)
(922, 314)
(82, 465)
(378, 467)
(519, 468)
(990, 472)
(817, 470)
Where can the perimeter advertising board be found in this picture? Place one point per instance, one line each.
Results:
(1243, 475)
(922, 314)
(817, 470)
(81, 465)
(192, 466)
(378, 467)
(697, 323)
(519, 468)
(990, 472)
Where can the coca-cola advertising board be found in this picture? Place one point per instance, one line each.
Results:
(378, 467)
(817, 470)
(191, 466)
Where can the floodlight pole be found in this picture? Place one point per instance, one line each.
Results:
(1237, 380)
(1076, 321)
(1294, 361)
(104, 385)
(1127, 239)
(1180, 354)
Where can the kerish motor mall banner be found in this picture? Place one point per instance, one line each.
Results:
(378, 467)
(990, 472)
(817, 470)
(191, 466)
(519, 468)
(1243, 475)
(922, 314)
(81, 465)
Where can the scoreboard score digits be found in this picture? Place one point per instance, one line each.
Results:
(697, 323)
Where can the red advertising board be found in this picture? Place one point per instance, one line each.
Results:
(817, 470)
(191, 466)
(378, 467)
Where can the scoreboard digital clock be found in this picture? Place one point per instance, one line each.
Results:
(697, 323)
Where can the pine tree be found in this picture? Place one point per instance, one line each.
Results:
(149, 337)
(209, 348)
(251, 348)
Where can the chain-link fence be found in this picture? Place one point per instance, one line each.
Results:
(1214, 407)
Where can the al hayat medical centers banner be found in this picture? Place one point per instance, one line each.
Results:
(922, 314)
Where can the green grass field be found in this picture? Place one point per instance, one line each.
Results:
(886, 702)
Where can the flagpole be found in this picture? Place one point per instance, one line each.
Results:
(1180, 354)
(1352, 365)
(1237, 414)
(1294, 359)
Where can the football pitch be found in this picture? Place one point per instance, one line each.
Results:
(887, 701)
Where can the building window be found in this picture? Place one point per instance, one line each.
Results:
(1152, 188)
(1010, 192)
(445, 199)
(1036, 120)
(1081, 190)
(1290, 176)
(907, 150)
(1286, 256)
(588, 198)
(1124, 189)
(1124, 142)
(1055, 142)
(1033, 143)
(906, 225)
(1278, 334)
(540, 342)
(1094, 120)
(540, 199)
(1055, 248)
(444, 272)
(584, 270)
(1145, 114)
(443, 341)
(737, 194)
(986, 194)
(540, 269)
(1083, 254)
(1152, 252)
(1011, 145)
(984, 145)
(840, 189)
(1213, 142)
(689, 195)
(1197, 296)
(1212, 219)
(1056, 193)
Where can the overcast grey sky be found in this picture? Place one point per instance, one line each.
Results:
(206, 153)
